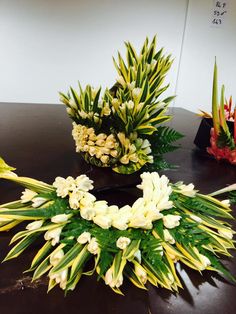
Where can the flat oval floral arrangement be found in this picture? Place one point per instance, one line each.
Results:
(170, 223)
(121, 128)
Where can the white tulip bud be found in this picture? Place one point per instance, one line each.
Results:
(60, 218)
(35, 225)
(123, 242)
(84, 238)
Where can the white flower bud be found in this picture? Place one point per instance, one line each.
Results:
(84, 238)
(171, 221)
(103, 221)
(168, 237)
(27, 196)
(140, 273)
(123, 242)
(187, 190)
(38, 201)
(35, 225)
(55, 257)
(93, 247)
(228, 234)
(53, 235)
(60, 218)
(105, 159)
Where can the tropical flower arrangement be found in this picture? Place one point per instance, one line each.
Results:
(121, 129)
(169, 223)
(223, 133)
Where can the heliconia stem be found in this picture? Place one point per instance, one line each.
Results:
(222, 111)
(215, 107)
(230, 106)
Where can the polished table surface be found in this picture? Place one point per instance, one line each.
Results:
(36, 139)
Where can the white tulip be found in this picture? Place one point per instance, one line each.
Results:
(138, 256)
(53, 235)
(121, 80)
(60, 218)
(123, 242)
(56, 256)
(38, 201)
(171, 221)
(140, 273)
(27, 195)
(140, 221)
(205, 261)
(60, 278)
(83, 183)
(228, 234)
(187, 190)
(103, 221)
(104, 159)
(168, 237)
(84, 237)
(93, 246)
(87, 213)
(35, 225)
(109, 277)
(226, 203)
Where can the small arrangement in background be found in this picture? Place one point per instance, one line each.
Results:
(168, 224)
(121, 128)
(217, 132)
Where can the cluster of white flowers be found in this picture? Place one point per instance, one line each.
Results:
(93, 246)
(61, 277)
(77, 190)
(145, 210)
(101, 146)
(134, 146)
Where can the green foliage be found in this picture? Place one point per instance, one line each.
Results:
(225, 139)
(232, 197)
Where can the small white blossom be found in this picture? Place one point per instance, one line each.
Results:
(168, 237)
(93, 246)
(27, 195)
(140, 273)
(84, 237)
(60, 218)
(38, 201)
(103, 221)
(56, 256)
(35, 225)
(171, 221)
(60, 278)
(53, 235)
(226, 203)
(205, 261)
(228, 234)
(138, 256)
(123, 242)
(187, 190)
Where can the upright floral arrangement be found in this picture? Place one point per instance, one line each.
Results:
(143, 241)
(121, 129)
(222, 138)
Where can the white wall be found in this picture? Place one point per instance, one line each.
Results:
(47, 45)
(202, 43)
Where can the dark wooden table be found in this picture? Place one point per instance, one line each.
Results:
(36, 139)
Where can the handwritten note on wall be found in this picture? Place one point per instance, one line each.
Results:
(219, 12)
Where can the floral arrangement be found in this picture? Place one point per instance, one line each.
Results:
(121, 129)
(222, 140)
(169, 223)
